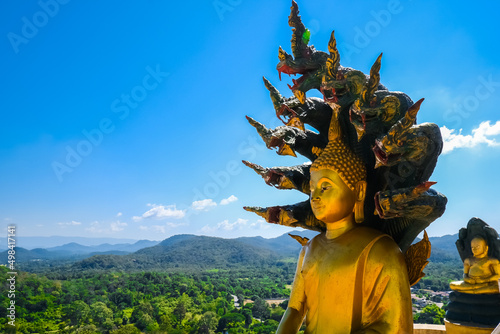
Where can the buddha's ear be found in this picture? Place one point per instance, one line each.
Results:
(360, 190)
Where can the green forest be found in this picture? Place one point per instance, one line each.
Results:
(153, 302)
(147, 302)
(184, 285)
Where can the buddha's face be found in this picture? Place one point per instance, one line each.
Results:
(479, 247)
(331, 199)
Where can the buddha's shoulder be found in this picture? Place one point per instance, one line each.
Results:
(361, 236)
(373, 237)
(378, 241)
(384, 249)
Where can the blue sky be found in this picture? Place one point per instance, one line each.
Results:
(127, 119)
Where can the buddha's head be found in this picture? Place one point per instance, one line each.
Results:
(338, 180)
(479, 247)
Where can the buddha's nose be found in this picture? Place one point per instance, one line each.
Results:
(314, 196)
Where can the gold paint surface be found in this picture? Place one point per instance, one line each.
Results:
(465, 328)
(285, 149)
(286, 218)
(296, 123)
(281, 54)
(302, 240)
(316, 151)
(285, 183)
(300, 95)
(416, 258)
(390, 105)
(352, 284)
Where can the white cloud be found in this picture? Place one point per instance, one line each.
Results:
(117, 226)
(95, 227)
(207, 229)
(161, 228)
(481, 135)
(260, 224)
(161, 212)
(174, 225)
(71, 223)
(203, 205)
(119, 214)
(228, 200)
(238, 224)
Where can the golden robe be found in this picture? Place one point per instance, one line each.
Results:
(355, 283)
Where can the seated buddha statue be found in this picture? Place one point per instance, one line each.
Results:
(351, 278)
(481, 273)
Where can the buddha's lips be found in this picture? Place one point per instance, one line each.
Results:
(317, 207)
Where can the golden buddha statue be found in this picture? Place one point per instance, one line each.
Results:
(352, 277)
(349, 279)
(481, 273)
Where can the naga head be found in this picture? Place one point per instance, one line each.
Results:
(340, 85)
(306, 60)
(282, 105)
(390, 149)
(375, 111)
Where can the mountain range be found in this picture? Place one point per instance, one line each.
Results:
(54, 241)
(185, 252)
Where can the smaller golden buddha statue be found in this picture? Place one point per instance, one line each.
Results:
(481, 273)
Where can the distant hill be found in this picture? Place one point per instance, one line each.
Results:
(75, 248)
(23, 255)
(39, 254)
(446, 244)
(54, 241)
(40, 259)
(188, 252)
(283, 245)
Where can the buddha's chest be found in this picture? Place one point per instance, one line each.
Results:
(481, 268)
(329, 265)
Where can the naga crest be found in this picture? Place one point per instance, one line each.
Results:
(377, 125)
(340, 85)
